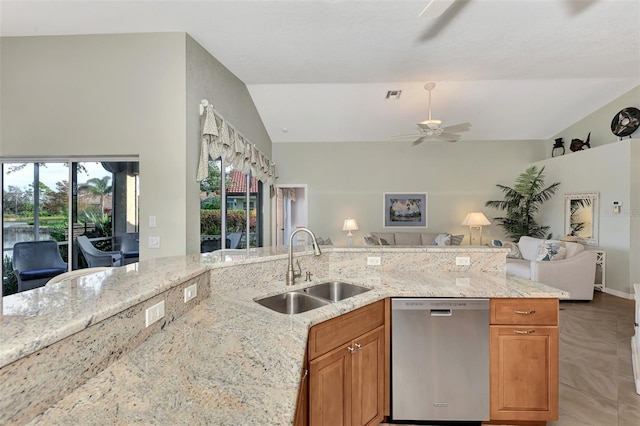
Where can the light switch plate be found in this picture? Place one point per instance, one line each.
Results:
(463, 261)
(152, 221)
(154, 242)
(154, 313)
(374, 260)
(190, 292)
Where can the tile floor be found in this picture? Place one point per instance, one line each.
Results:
(596, 377)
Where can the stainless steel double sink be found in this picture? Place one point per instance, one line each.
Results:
(297, 301)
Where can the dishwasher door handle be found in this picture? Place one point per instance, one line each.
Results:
(440, 312)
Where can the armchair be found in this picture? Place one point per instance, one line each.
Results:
(575, 274)
(36, 262)
(95, 257)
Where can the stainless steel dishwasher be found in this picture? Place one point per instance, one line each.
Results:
(439, 359)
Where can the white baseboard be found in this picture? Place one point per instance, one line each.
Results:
(618, 293)
(635, 361)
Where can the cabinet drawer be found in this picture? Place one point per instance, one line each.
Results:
(524, 311)
(330, 334)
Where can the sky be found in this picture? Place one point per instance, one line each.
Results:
(49, 175)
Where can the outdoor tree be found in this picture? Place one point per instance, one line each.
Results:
(98, 187)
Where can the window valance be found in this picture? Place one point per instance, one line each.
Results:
(221, 139)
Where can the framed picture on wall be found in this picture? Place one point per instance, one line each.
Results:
(405, 209)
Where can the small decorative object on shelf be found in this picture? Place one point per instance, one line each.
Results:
(558, 148)
(626, 122)
(578, 145)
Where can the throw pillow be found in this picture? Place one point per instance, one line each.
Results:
(371, 240)
(550, 251)
(383, 242)
(515, 251)
(443, 240)
(456, 240)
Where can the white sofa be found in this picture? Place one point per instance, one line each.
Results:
(411, 239)
(574, 274)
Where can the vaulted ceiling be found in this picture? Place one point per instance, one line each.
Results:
(319, 70)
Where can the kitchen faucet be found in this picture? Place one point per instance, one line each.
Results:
(291, 274)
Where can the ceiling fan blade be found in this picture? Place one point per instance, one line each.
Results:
(418, 141)
(407, 135)
(435, 8)
(451, 137)
(462, 127)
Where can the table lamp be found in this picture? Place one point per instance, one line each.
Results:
(350, 225)
(475, 221)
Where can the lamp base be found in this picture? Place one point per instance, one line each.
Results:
(475, 235)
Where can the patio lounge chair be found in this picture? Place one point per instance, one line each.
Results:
(129, 245)
(95, 257)
(36, 262)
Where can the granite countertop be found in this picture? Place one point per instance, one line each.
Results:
(230, 361)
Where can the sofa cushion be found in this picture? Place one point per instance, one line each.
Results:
(428, 238)
(573, 248)
(387, 236)
(551, 250)
(408, 239)
(529, 247)
(519, 267)
(35, 274)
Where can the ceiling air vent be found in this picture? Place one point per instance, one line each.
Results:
(394, 94)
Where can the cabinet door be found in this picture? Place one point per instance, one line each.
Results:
(368, 378)
(330, 388)
(524, 373)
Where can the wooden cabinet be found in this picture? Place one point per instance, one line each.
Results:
(524, 359)
(347, 380)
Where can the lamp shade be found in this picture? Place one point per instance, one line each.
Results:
(350, 225)
(476, 219)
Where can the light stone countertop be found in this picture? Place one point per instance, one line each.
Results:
(230, 361)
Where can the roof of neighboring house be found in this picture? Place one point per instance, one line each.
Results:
(238, 183)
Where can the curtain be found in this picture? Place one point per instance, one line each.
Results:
(221, 139)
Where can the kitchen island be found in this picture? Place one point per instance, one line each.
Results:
(226, 359)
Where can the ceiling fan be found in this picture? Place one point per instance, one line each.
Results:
(431, 129)
(435, 8)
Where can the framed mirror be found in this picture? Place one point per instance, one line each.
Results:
(581, 217)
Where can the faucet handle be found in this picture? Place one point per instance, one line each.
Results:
(308, 278)
(299, 273)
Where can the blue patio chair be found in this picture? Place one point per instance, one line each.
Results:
(129, 245)
(235, 238)
(36, 262)
(95, 257)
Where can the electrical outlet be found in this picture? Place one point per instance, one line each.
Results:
(154, 242)
(154, 313)
(463, 261)
(190, 292)
(374, 261)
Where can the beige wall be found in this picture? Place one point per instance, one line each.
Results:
(348, 179)
(208, 79)
(104, 95)
(610, 168)
(125, 94)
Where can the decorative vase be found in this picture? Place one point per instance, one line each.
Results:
(558, 148)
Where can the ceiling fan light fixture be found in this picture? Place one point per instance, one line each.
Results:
(432, 124)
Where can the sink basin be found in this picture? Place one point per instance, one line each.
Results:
(292, 302)
(335, 290)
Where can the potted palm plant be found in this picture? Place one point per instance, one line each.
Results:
(522, 202)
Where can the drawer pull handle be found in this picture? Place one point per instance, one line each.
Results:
(358, 345)
(524, 331)
(524, 312)
(350, 349)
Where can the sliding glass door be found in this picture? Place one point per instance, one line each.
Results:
(53, 200)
